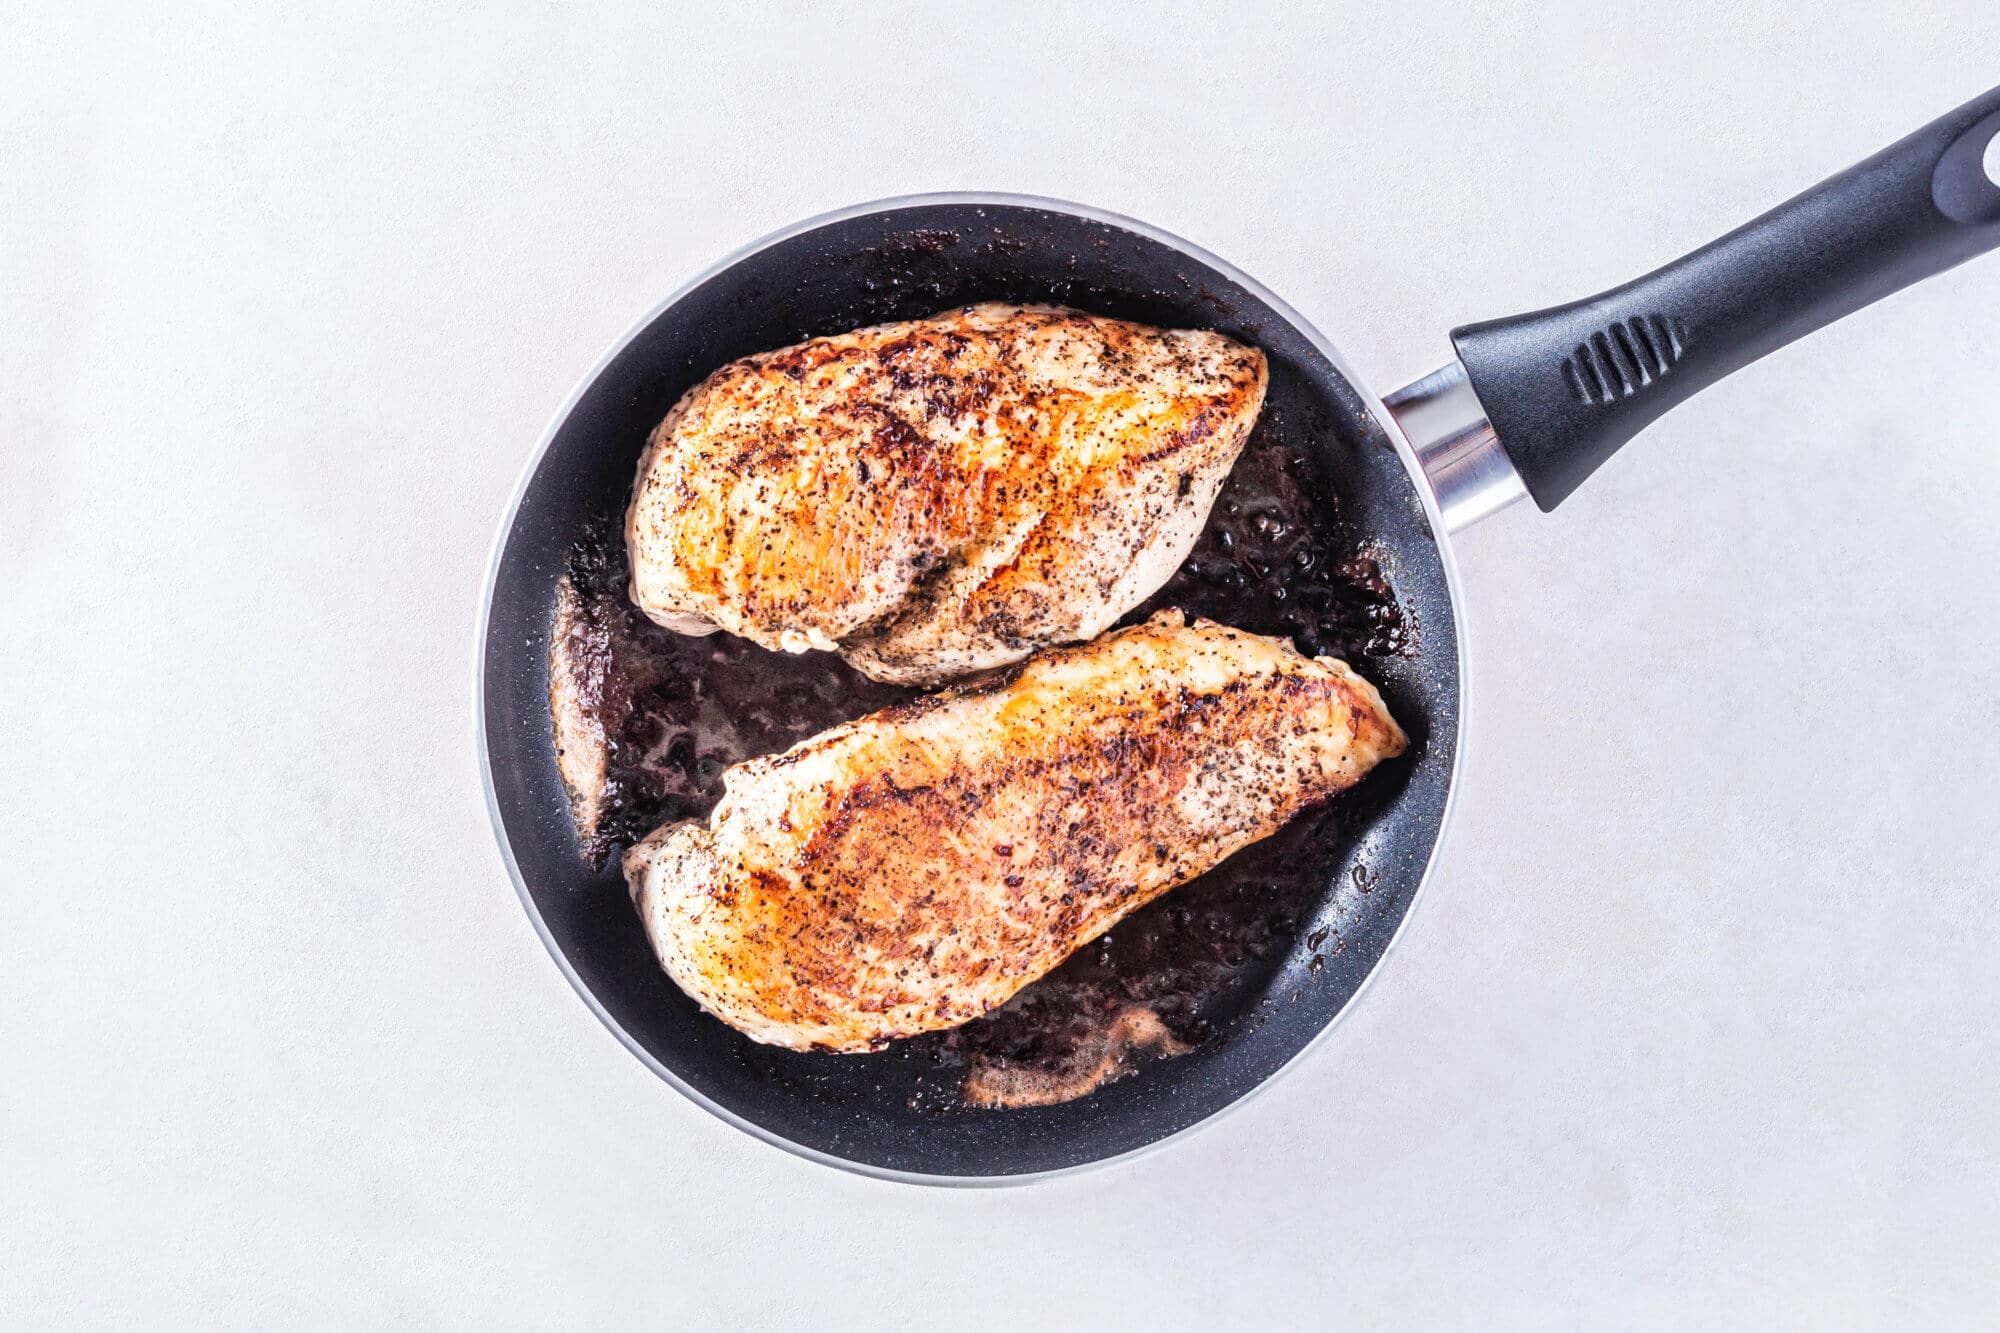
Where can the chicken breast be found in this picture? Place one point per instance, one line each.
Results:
(915, 868)
(943, 496)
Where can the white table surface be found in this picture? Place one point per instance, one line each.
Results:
(1695, 1024)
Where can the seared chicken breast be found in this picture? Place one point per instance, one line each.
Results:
(939, 497)
(913, 869)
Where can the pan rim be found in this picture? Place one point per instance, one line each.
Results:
(1439, 532)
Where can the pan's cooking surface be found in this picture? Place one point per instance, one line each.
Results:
(1242, 968)
(1275, 558)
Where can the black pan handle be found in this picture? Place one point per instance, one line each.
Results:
(1565, 387)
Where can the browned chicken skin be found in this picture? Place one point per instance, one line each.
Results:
(942, 496)
(913, 869)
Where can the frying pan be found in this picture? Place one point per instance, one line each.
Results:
(1530, 405)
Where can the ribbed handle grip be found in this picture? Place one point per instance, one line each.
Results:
(1565, 387)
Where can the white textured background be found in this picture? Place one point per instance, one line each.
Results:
(1696, 1023)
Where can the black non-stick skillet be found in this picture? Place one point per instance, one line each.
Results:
(1529, 406)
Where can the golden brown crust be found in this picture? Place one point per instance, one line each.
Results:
(940, 496)
(914, 869)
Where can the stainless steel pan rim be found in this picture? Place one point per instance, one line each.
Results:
(1382, 418)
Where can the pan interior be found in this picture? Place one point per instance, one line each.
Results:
(875, 1112)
